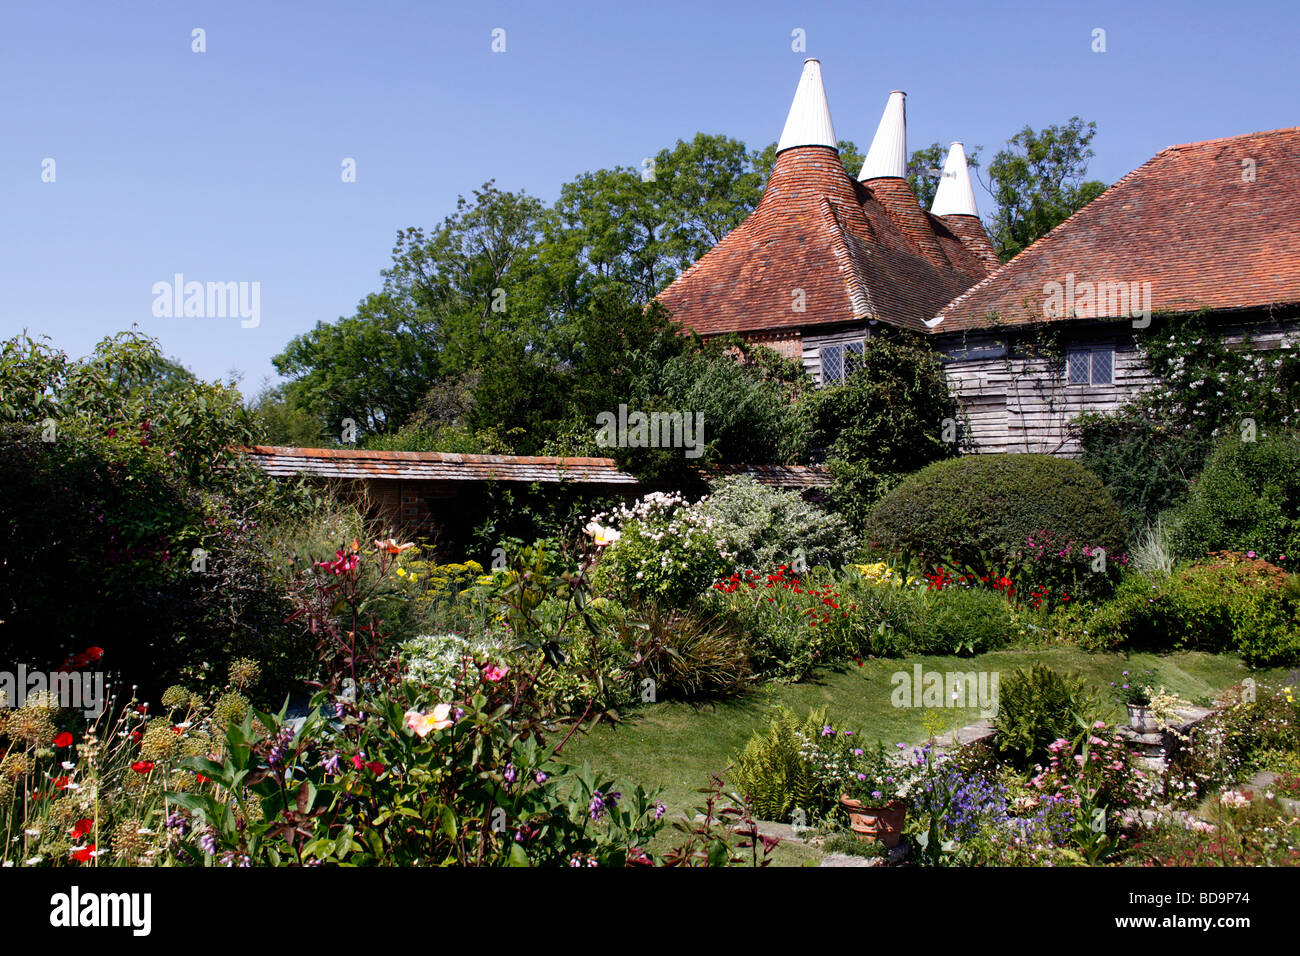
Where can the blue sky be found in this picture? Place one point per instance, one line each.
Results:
(225, 165)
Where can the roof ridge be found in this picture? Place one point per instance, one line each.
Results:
(858, 291)
(1225, 139)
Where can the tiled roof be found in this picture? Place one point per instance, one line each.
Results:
(778, 476)
(282, 461)
(429, 465)
(858, 251)
(1190, 221)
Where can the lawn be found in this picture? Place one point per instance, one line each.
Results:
(675, 746)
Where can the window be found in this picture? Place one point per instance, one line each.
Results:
(839, 361)
(1092, 366)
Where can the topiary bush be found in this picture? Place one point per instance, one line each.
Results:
(1247, 499)
(1040, 519)
(1036, 707)
(766, 527)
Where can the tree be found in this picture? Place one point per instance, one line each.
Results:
(452, 300)
(635, 230)
(1038, 183)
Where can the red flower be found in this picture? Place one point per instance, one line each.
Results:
(177, 730)
(200, 778)
(82, 828)
(357, 762)
(140, 709)
(62, 783)
(94, 653)
(63, 740)
(375, 767)
(136, 736)
(83, 855)
(142, 766)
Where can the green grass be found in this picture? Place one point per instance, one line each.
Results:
(676, 746)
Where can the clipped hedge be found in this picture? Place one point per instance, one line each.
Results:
(979, 512)
(1247, 498)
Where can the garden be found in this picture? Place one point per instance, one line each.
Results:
(1012, 660)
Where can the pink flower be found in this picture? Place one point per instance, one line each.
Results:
(421, 723)
(494, 673)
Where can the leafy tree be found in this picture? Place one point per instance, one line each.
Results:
(278, 421)
(1038, 183)
(623, 226)
(451, 300)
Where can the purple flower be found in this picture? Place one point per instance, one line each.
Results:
(597, 806)
(660, 810)
(209, 843)
(331, 764)
(827, 730)
(510, 773)
(539, 777)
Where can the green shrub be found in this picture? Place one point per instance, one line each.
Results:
(1037, 706)
(963, 621)
(1145, 461)
(772, 774)
(1230, 603)
(1035, 517)
(890, 621)
(766, 527)
(884, 422)
(1246, 499)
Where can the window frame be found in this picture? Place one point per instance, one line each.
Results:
(845, 349)
(1091, 352)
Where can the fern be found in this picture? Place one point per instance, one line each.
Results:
(772, 774)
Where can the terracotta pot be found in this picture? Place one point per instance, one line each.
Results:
(872, 823)
(1139, 721)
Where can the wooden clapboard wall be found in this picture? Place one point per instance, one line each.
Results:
(1012, 400)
